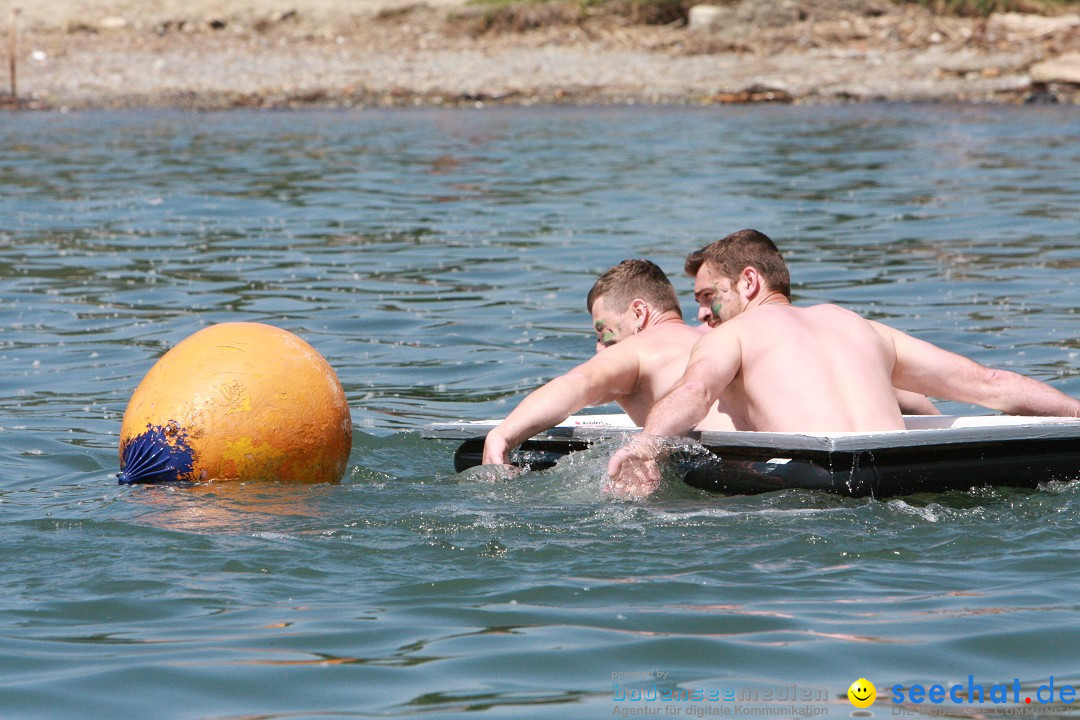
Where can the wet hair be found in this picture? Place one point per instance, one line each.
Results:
(631, 279)
(746, 248)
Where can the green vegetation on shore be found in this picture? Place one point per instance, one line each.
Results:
(527, 14)
(513, 12)
(983, 8)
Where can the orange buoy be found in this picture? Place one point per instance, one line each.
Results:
(237, 401)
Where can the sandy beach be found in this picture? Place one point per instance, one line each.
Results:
(274, 53)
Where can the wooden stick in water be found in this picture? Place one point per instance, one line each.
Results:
(11, 50)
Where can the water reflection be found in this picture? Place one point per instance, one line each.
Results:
(229, 507)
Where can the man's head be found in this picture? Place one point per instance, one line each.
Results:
(732, 271)
(624, 298)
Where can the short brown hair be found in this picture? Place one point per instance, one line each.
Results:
(631, 279)
(743, 249)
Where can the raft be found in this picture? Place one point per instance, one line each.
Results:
(936, 453)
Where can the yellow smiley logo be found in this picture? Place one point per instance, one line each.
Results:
(862, 693)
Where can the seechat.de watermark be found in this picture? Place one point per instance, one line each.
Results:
(654, 693)
(1005, 698)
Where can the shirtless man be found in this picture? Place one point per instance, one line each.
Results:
(641, 350)
(710, 308)
(815, 369)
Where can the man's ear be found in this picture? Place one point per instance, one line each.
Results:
(641, 310)
(750, 283)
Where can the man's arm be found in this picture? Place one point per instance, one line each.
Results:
(913, 403)
(925, 368)
(714, 362)
(608, 375)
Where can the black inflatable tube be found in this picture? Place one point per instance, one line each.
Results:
(1015, 453)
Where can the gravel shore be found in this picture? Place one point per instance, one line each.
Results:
(112, 53)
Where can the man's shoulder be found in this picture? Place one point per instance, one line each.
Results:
(829, 316)
(779, 316)
(661, 344)
(663, 334)
(830, 309)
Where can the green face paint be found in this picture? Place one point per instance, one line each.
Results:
(716, 305)
(607, 337)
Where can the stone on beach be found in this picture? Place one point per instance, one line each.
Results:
(1062, 69)
(1027, 26)
(705, 17)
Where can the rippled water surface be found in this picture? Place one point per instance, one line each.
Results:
(439, 260)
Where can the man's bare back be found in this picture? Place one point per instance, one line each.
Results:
(661, 353)
(804, 369)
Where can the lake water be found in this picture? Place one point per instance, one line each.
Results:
(439, 260)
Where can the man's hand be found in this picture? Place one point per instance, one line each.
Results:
(495, 450)
(633, 471)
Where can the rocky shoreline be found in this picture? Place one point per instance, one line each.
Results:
(794, 51)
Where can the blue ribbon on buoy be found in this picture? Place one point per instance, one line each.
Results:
(159, 455)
